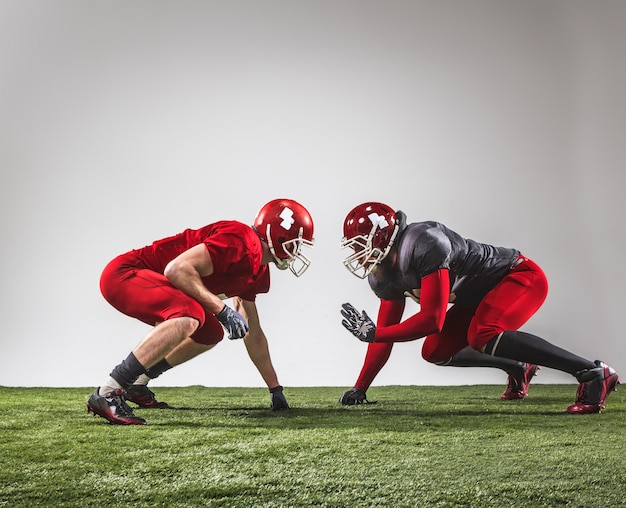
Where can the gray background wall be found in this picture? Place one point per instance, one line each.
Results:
(124, 122)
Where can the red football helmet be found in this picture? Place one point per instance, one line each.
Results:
(286, 226)
(370, 230)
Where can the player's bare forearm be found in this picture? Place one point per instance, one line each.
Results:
(258, 351)
(185, 272)
(256, 342)
(191, 284)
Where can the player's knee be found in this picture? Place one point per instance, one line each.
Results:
(207, 340)
(187, 325)
(210, 333)
(434, 355)
(481, 336)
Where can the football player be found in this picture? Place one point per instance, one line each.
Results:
(473, 299)
(178, 284)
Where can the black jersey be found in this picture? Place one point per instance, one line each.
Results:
(425, 247)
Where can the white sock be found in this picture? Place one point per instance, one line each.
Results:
(108, 387)
(142, 380)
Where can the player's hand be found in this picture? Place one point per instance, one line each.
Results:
(358, 324)
(235, 323)
(353, 397)
(279, 402)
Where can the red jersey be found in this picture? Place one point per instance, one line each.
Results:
(236, 253)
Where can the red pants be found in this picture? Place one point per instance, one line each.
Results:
(150, 297)
(506, 307)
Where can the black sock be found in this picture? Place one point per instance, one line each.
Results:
(127, 372)
(469, 357)
(529, 348)
(158, 369)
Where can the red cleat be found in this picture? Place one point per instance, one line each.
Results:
(518, 385)
(594, 388)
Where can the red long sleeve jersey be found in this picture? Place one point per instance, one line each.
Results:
(438, 262)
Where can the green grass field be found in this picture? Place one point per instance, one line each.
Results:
(419, 446)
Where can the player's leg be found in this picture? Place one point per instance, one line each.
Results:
(449, 349)
(109, 400)
(148, 296)
(494, 330)
(210, 334)
(519, 373)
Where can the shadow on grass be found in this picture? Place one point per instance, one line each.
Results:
(317, 408)
(258, 412)
(365, 418)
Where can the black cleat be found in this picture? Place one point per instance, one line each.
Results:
(144, 397)
(113, 408)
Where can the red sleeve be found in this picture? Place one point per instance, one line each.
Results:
(389, 313)
(434, 296)
(375, 359)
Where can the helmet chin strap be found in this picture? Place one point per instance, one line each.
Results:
(281, 264)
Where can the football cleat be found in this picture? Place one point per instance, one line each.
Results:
(113, 408)
(595, 386)
(518, 385)
(144, 397)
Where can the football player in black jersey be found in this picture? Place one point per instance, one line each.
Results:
(473, 299)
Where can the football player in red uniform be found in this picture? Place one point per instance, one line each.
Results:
(178, 284)
(473, 299)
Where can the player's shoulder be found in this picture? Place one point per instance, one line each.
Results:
(425, 225)
(423, 239)
(424, 230)
(233, 227)
(231, 232)
(237, 243)
(231, 224)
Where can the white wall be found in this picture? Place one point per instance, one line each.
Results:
(123, 122)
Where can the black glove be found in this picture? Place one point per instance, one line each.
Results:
(234, 323)
(279, 402)
(353, 397)
(359, 325)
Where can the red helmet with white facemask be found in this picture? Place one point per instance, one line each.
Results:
(370, 229)
(286, 226)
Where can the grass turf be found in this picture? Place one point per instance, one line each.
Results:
(223, 447)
